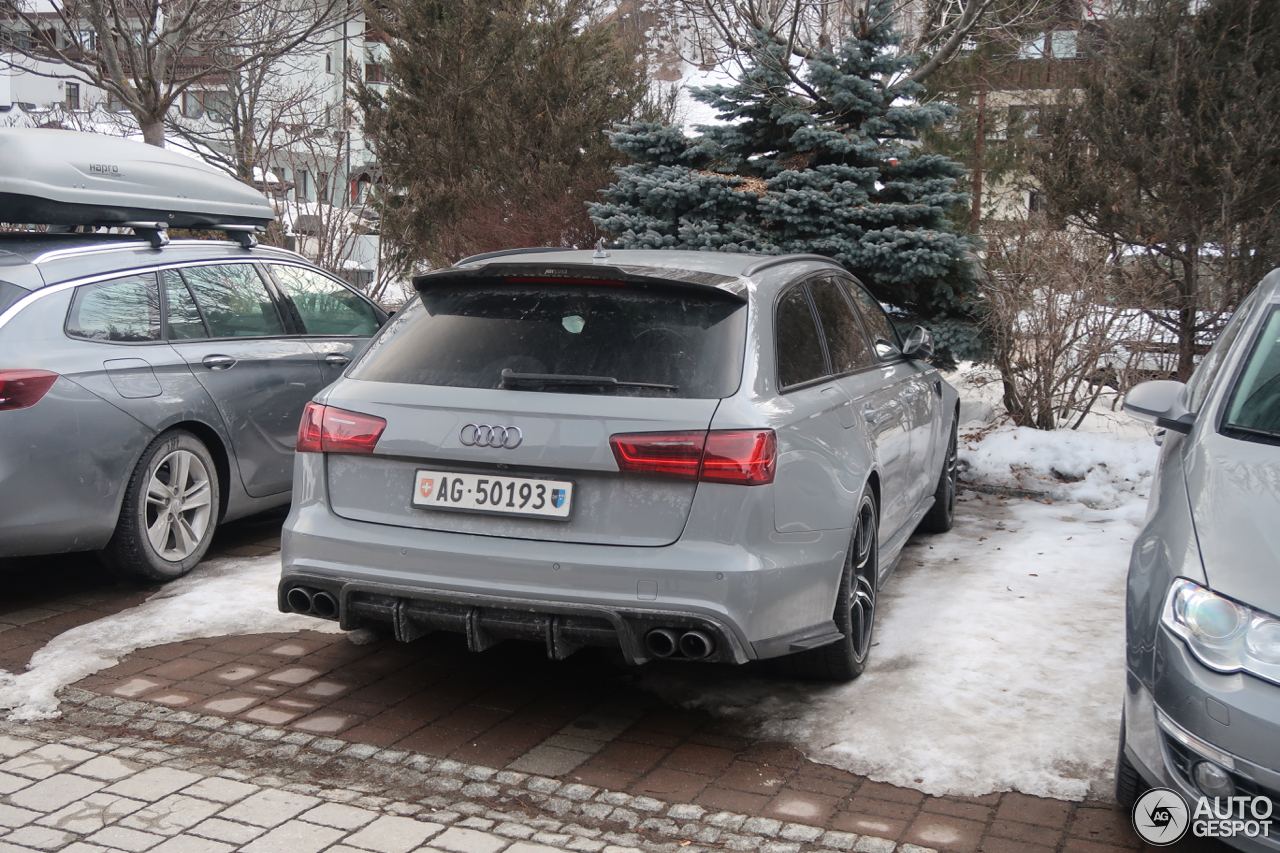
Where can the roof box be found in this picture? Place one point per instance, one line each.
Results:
(63, 177)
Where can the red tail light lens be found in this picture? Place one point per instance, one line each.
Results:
(669, 454)
(20, 389)
(326, 429)
(742, 457)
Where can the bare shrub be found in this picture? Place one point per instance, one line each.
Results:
(1056, 335)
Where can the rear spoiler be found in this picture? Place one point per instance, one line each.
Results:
(533, 272)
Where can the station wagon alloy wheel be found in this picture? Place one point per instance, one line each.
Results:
(178, 510)
(855, 611)
(169, 512)
(862, 586)
(943, 512)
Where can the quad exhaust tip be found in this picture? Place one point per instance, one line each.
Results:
(315, 602)
(665, 642)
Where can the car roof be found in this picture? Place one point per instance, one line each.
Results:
(34, 259)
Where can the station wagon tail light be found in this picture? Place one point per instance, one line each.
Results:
(327, 429)
(742, 457)
(20, 389)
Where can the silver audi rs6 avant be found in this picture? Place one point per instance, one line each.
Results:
(678, 454)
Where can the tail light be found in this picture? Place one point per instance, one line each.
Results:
(742, 457)
(20, 389)
(668, 454)
(326, 429)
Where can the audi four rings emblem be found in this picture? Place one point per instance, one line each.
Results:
(486, 435)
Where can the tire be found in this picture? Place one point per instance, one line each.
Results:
(162, 533)
(1129, 783)
(942, 514)
(855, 610)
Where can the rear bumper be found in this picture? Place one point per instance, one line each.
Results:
(486, 620)
(766, 600)
(64, 463)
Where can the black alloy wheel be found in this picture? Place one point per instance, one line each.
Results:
(855, 612)
(942, 515)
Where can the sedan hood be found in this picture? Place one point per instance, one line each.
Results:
(1234, 488)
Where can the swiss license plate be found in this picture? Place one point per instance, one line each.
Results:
(502, 495)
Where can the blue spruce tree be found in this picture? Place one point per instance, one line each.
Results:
(821, 160)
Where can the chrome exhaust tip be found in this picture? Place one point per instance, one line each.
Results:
(661, 642)
(696, 645)
(300, 599)
(324, 605)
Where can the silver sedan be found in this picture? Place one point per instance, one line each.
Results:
(1202, 705)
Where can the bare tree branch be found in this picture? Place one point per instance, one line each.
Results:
(146, 53)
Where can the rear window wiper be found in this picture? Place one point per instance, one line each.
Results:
(510, 378)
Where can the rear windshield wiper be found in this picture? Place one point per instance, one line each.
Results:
(511, 378)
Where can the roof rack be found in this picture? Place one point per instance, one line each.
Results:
(69, 179)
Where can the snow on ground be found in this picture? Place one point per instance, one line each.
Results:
(219, 598)
(999, 662)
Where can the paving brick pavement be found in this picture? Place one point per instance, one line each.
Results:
(175, 782)
(322, 700)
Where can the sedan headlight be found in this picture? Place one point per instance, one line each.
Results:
(1224, 635)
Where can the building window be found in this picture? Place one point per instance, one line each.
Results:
(72, 92)
(1035, 203)
(1065, 44)
(374, 73)
(214, 104)
(1032, 48)
(328, 63)
(1024, 121)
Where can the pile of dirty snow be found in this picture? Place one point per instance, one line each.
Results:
(219, 598)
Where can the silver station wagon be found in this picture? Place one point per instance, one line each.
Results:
(149, 388)
(680, 455)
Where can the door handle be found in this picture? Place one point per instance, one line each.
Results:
(336, 359)
(217, 362)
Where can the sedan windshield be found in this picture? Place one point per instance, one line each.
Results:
(1254, 410)
(624, 341)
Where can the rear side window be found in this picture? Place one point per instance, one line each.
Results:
(878, 325)
(325, 306)
(184, 318)
(233, 300)
(800, 356)
(122, 310)
(9, 294)
(629, 341)
(846, 344)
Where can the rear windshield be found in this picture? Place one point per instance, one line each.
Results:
(1254, 410)
(9, 294)
(579, 340)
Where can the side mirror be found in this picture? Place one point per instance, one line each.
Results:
(1161, 402)
(919, 343)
